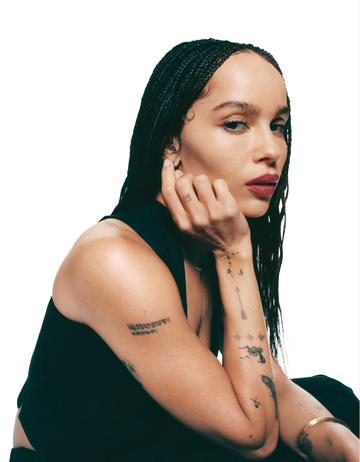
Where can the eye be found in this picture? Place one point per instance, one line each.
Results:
(282, 129)
(278, 128)
(236, 125)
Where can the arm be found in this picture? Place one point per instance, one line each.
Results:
(326, 440)
(211, 215)
(115, 283)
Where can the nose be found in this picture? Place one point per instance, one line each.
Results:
(269, 146)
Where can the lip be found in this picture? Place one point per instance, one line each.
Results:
(263, 185)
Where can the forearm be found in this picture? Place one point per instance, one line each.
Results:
(246, 352)
(326, 440)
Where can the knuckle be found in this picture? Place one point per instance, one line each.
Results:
(201, 179)
(183, 181)
(166, 191)
(200, 221)
(221, 184)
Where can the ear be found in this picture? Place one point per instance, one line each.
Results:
(172, 151)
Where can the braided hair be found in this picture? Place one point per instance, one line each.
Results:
(177, 81)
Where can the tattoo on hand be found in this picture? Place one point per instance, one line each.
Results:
(271, 385)
(143, 329)
(254, 351)
(243, 314)
(187, 198)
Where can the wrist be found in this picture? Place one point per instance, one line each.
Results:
(240, 253)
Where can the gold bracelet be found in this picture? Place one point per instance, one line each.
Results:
(302, 444)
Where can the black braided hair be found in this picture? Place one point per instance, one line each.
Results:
(177, 81)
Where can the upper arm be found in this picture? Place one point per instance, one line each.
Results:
(125, 292)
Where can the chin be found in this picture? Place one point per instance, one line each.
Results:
(256, 211)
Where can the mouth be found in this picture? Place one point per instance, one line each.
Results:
(263, 185)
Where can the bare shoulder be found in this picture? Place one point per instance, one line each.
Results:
(106, 267)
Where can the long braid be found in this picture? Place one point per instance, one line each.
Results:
(177, 81)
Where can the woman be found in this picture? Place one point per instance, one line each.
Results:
(125, 366)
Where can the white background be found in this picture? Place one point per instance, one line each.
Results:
(71, 77)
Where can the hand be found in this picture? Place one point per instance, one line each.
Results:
(207, 212)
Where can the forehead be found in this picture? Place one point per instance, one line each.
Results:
(247, 77)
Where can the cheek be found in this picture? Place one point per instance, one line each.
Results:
(206, 149)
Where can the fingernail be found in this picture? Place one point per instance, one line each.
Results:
(167, 162)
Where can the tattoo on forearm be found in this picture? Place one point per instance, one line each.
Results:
(256, 402)
(243, 314)
(187, 198)
(271, 385)
(249, 337)
(148, 328)
(132, 369)
(254, 351)
(329, 441)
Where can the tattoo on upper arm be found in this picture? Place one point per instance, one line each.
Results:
(187, 198)
(243, 314)
(148, 328)
(271, 385)
(254, 351)
(261, 337)
(132, 369)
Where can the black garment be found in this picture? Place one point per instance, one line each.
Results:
(80, 403)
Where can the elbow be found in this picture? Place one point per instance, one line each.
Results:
(263, 451)
(261, 446)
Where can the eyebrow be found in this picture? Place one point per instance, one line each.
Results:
(248, 107)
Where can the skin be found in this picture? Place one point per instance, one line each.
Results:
(240, 404)
(213, 144)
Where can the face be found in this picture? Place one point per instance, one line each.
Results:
(236, 132)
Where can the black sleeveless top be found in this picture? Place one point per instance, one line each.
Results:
(80, 403)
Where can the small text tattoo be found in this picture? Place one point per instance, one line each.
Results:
(241, 273)
(271, 385)
(243, 314)
(187, 198)
(256, 402)
(148, 328)
(254, 351)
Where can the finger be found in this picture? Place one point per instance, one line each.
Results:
(222, 192)
(170, 196)
(205, 191)
(178, 174)
(225, 198)
(185, 189)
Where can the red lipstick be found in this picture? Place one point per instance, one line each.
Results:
(263, 185)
